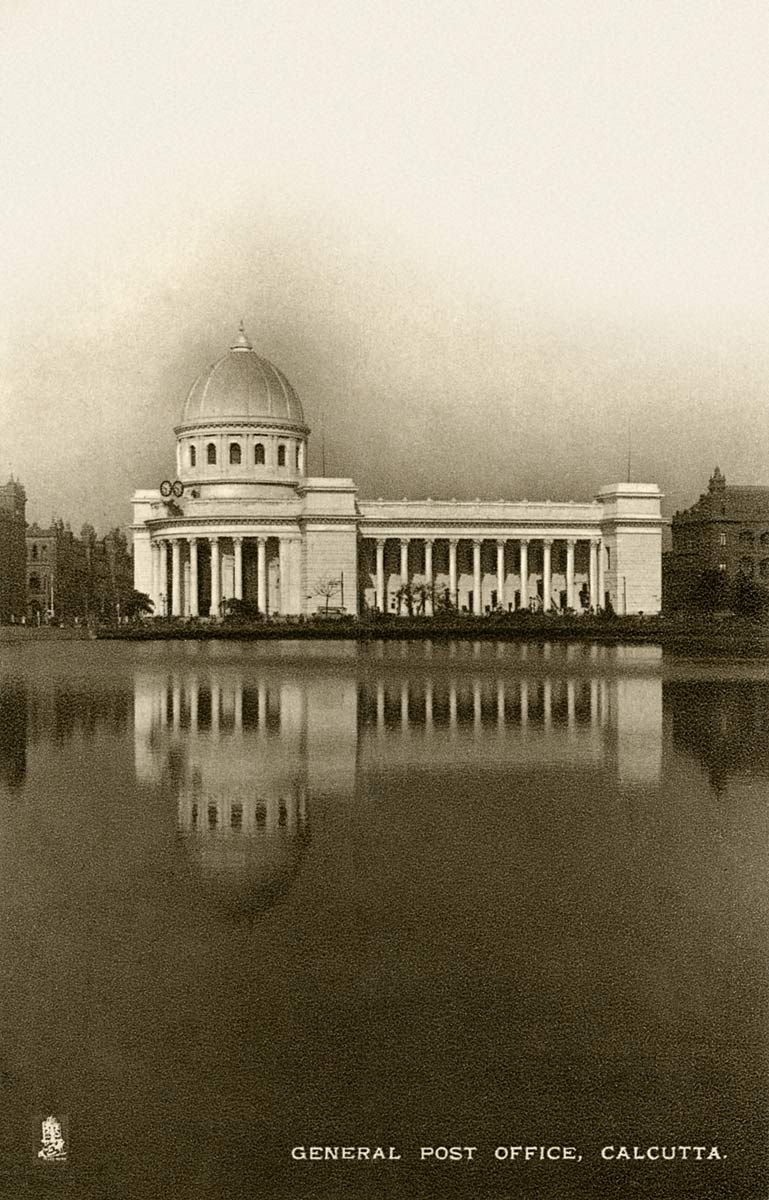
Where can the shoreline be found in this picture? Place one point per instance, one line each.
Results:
(732, 637)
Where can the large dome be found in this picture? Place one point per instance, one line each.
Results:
(241, 385)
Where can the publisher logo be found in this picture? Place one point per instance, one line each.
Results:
(51, 1141)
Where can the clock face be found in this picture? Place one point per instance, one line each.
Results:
(166, 488)
(178, 488)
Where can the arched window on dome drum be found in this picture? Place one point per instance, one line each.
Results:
(259, 454)
(211, 454)
(297, 458)
(281, 456)
(235, 454)
(193, 456)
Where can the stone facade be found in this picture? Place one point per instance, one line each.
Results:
(13, 591)
(242, 521)
(726, 530)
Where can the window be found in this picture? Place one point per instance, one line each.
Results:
(297, 458)
(34, 552)
(235, 454)
(259, 454)
(722, 539)
(608, 558)
(281, 456)
(34, 583)
(211, 454)
(722, 566)
(193, 456)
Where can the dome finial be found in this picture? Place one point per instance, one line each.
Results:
(242, 342)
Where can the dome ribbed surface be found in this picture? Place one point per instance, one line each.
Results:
(241, 385)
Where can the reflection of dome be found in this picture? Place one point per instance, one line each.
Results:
(246, 854)
(241, 386)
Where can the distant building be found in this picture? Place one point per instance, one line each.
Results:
(727, 531)
(243, 521)
(76, 578)
(54, 572)
(13, 524)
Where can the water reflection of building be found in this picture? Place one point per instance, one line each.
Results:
(724, 724)
(566, 709)
(241, 758)
(14, 722)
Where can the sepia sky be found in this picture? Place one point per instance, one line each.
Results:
(492, 244)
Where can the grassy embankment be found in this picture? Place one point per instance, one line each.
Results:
(731, 635)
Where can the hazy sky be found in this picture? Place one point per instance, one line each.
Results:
(486, 242)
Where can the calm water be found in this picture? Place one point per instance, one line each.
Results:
(264, 896)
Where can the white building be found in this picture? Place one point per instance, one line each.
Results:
(246, 521)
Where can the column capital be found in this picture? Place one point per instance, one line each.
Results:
(213, 538)
(524, 541)
(454, 541)
(502, 542)
(261, 541)
(380, 542)
(478, 541)
(571, 541)
(405, 541)
(193, 541)
(547, 541)
(428, 541)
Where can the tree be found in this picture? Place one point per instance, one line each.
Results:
(136, 604)
(327, 588)
(748, 598)
(241, 610)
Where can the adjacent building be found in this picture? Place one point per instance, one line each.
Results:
(71, 578)
(725, 531)
(13, 524)
(241, 519)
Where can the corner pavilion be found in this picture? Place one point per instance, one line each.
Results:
(244, 520)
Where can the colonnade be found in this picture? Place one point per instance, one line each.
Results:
(596, 572)
(175, 576)
(522, 695)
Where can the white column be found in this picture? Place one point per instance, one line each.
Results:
(193, 577)
(501, 573)
(453, 571)
(176, 578)
(547, 573)
(593, 575)
(381, 601)
(156, 588)
(216, 589)
(283, 570)
(601, 574)
(164, 606)
(186, 586)
(570, 573)
(524, 572)
(261, 576)
(428, 575)
(194, 694)
(477, 598)
(237, 586)
(404, 562)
